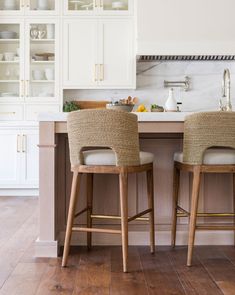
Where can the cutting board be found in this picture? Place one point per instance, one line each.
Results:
(92, 104)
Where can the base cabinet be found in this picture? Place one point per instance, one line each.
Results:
(9, 158)
(19, 158)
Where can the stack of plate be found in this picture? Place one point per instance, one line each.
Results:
(8, 35)
(8, 94)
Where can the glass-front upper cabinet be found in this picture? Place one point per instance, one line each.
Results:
(42, 72)
(11, 62)
(103, 7)
(29, 7)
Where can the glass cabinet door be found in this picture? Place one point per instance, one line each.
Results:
(85, 6)
(10, 7)
(114, 5)
(42, 72)
(41, 7)
(11, 69)
(98, 6)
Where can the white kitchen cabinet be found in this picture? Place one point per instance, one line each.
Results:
(19, 158)
(29, 7)
(34, 49)
(99, 53)
(99, 7)
(80, 53)
(30, 158)
(116, 56)
(9, 158)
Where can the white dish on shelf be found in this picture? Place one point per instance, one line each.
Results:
(9, 5)
(118, 5)
(9, 56)
(8, 94)
(8, 35)
(38, 75)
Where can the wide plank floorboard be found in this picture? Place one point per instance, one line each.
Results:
(127, 283)
(194, 279)
(99, 271)
(219, 267)
(161, 277)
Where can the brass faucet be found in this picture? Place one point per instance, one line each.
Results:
(226, 92)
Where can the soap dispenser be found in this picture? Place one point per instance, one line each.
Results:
(171, 104)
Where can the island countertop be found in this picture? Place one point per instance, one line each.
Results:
(142, 117)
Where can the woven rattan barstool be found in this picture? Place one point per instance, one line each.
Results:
(117, 131)
(209, 143)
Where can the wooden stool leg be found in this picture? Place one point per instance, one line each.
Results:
(150, 188)
(123, 183)
(72, 205)
(234, 201)
(193, 214)
(89, 206)
(176, 180)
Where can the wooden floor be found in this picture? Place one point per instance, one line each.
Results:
(100, 271)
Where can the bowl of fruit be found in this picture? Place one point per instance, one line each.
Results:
(125, 105)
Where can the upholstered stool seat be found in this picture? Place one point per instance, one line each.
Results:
(213, 156)
(108, 158)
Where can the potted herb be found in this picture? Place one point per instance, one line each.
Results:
(70, 106)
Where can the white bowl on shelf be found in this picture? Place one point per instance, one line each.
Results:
(9, 56)
(38, 75)
(49, 73)
(118, 5)
(9, 5)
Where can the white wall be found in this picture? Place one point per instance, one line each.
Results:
(186, 27)
(206, 78)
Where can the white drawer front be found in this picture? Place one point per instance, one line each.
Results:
(11, 112)
(32, 111)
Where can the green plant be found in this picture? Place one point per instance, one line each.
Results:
(70, 106)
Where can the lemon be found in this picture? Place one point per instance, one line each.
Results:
(141, 108)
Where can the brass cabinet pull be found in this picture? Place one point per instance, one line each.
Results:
(21, 3)
(95, 2)
(96, 73)
(22, 88)
(101, 72)
(28, 4)
(23, 143)
(101, 3)
(18, 144)
(27, 88)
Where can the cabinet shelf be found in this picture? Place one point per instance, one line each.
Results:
(42, 81)
(43, 62)
(9, 62)
(42, 40)
(9, 40)
(9, 81)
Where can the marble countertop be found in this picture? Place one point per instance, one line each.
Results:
(142, 117)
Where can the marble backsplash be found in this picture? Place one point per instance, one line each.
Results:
(205, 89)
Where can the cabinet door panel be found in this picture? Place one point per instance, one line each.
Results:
(80, 53)
(30, 164)
(9, 158)
(116, 53)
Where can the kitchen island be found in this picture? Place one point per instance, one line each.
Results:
(161, 134)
